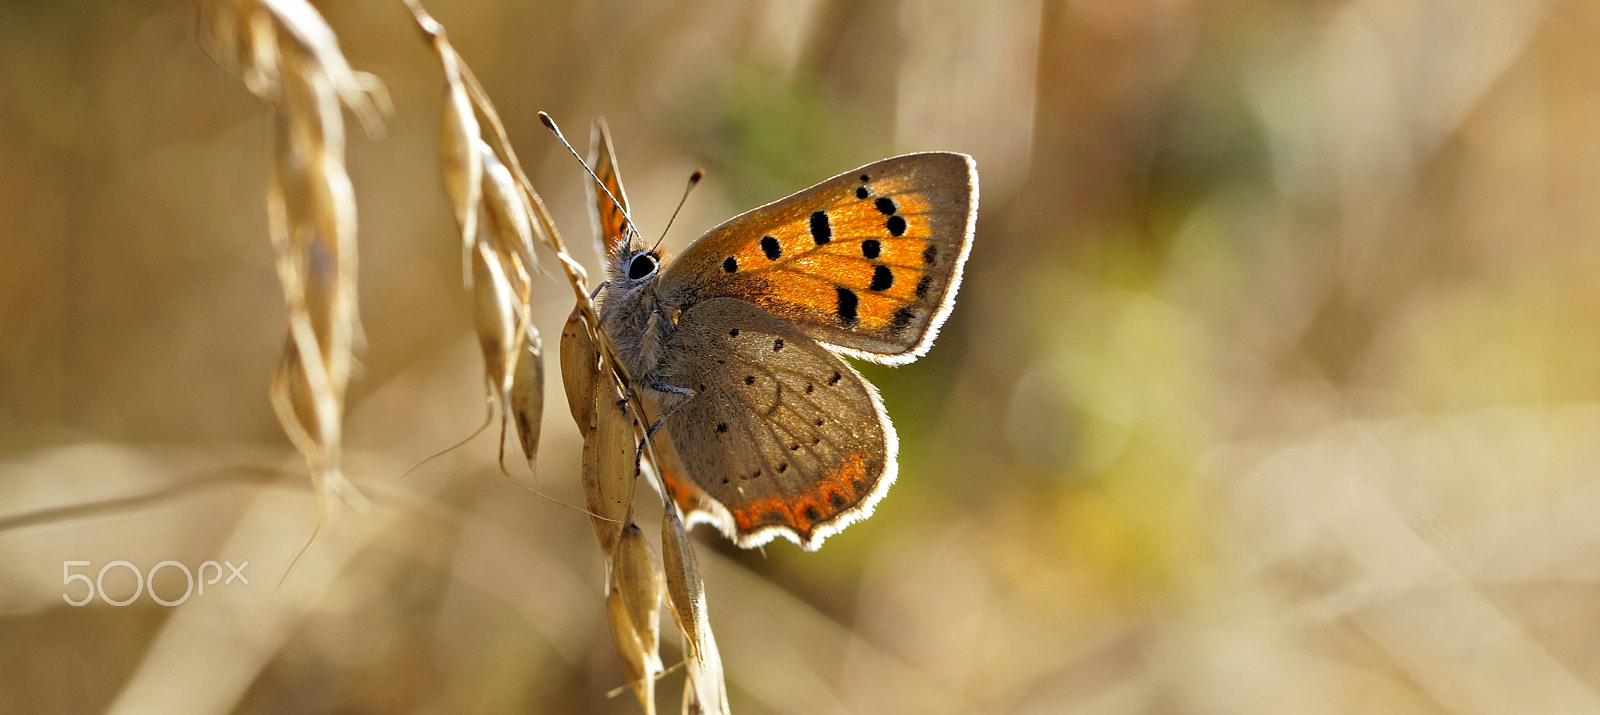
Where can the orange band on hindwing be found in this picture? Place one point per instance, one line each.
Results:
(836, 491)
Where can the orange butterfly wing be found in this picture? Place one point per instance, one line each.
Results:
(609, 217)
(867, 262)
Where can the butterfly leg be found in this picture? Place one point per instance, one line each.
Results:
(662, 387)
(683, 392)
(659, 387)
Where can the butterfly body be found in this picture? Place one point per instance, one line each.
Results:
(639, 323)
(767, 432)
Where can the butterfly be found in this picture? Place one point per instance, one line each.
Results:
(734, 346)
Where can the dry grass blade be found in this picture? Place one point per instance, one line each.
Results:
(633, 603)
(686, 597)
(288, 56)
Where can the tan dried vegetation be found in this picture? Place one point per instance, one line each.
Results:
(287, 55)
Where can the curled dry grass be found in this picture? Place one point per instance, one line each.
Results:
(286, 54)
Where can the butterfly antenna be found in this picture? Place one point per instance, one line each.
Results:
(694, 180)
(551, 125)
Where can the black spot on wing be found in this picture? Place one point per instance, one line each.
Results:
(882, 278)
(821, 232)
(886, 205)
(870, 248)
(902, 319)
(896, 226)
(769, 246)
(923, 285)
(848, 300)
(729, 265)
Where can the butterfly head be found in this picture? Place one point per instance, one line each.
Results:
(631, 310)
(633, 263)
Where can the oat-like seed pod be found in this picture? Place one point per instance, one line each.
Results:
(609, 467)
(633, 607)
(461, 162)
(686, 598)
(496, 325)
(527, 394)
(497, 234)
(580, 367)
(510, 222)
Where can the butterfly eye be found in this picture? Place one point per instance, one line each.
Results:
(642, 265)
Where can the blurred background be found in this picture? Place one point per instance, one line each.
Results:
(1272, 386)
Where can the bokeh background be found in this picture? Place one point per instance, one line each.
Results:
(1272, 386)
